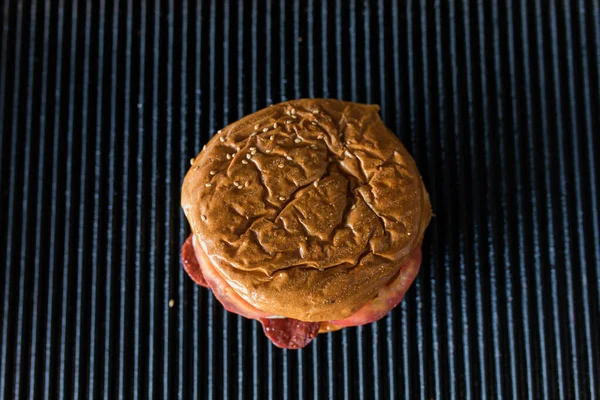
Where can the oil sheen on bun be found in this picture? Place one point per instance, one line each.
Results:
(307, 208)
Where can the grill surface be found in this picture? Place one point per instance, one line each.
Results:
(102, 104)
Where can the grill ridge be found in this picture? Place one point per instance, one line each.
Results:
(102, 105)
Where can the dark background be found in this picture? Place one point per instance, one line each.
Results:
(103, 104)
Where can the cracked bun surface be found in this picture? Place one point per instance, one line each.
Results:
(307, 208)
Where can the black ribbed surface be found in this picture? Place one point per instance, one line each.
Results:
(102, 106)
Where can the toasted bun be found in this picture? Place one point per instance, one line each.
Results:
(307, 208)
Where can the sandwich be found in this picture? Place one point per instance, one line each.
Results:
(307, 216)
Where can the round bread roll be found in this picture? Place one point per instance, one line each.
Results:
(307, 208)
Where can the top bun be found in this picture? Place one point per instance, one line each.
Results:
(308, 207)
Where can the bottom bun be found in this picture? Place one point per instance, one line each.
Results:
(289, 333)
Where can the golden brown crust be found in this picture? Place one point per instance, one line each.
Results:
(307, 207)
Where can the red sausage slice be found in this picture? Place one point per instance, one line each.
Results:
(190, 262)
(288, 333)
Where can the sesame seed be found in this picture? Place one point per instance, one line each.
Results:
(313, 146)
(353, 206)
(294, 116)
(316, 184)
(315, 111)
(253, 134)
(281, 198)
(408, 233)
(191, 161)
(236, 183)
(204, 218)
(275, 125)
(313, 122)
(208, 184)
(293, 111)
(320, 137)
(280, 165)
(271, 137)
(256, 126)
(219, 131)
(288, 158)
(252, 148)
(289, 121)
(228, 156)
(268, 151)
(244, 162)
(171, 303)
(222, 139)
(248, 156)
(204, 147)
(253, 152)
(297, 140)
(213, 172)
(247, 183)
